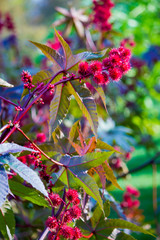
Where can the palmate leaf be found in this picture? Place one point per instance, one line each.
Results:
(57, 59)
(98, 214)
(124, 236)
(4, 188)
(13, 148)
(42, 76)
(25, 172)
(7, 221)
(110, 175)
(59, 106)
(118, 223)
(74, 172)
(86, 103)
(27, 193)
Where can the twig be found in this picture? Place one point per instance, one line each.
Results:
(151, 161)
(40, 150)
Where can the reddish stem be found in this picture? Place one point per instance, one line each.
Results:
(21, 131)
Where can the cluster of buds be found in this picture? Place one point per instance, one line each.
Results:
(70, 212)
(6, 22)
(27, 79)
(112, 67)
(102, 13)
(130, 202)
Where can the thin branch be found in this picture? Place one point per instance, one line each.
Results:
(151, 161)
(40, 150)
(8, 101)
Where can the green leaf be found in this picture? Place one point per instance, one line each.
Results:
(89, 185)
(51, 54)
(98, 213)
(102, 145)
(59, 106)
(110, 175)
(83, 163)
(25, 172)
(4, 188)
(74, 173)
(122, 224)
(3, 83)
(124, 236)
(7, 221)
(101, 93)
(42, 76)
(86, 103)
(27, 193)
(73, 134)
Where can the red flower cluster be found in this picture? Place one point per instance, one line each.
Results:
(58, 225)
(7, 22)
(112, 68)
(27, 79)
(129, 196)
(102, 13)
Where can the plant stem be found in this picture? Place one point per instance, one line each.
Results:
(21, 131)
(44, 234)
(151, 161)
(8, 101)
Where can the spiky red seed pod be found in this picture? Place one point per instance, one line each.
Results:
(125, 67)
(114, 51)
(55, 198)
(106, 63)
(135, 203)
(115, 74)
(115, 60)
(106, 77)
(66, 232)
(75, 212)
(71, 195)
(95, 66)
(132, 191)
(98, 77)
(52, 223)
(67, 218)
(76, 233)
(83, 68)
(125, 53)
(41, 137)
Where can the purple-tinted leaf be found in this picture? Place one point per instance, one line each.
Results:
(4, 188)
(13, 148)
(25, 172)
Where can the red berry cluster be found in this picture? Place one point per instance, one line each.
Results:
(58, 225)
(130, 203)
(6, 22)
(112, 67)
(102, 13)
